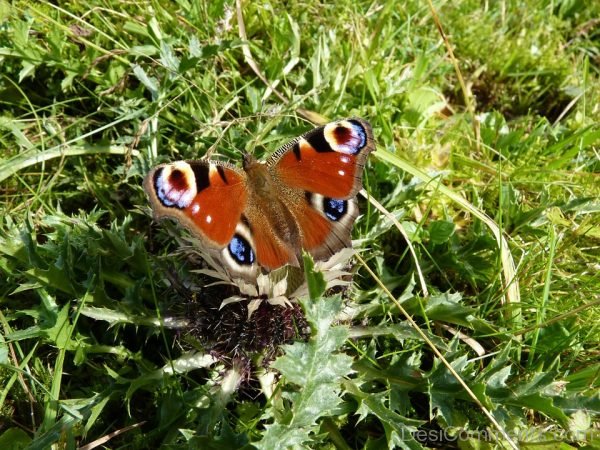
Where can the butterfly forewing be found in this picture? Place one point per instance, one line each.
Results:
(328, 160)
(207, 198)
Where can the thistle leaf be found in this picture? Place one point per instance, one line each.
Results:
(314, 371)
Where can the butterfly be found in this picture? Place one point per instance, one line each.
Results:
(260, 217)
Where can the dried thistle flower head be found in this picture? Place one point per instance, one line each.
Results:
(239, 317)
(279, 287)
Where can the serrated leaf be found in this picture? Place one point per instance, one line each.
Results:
(305, 362)
(402, 375)
(316, 370)
(498, 379)
(440, 231)
(321, 313)
(26, 333)
(282, 436)
(53, 278)
(542, 404)
(168, 59)
(447, 307)
(186, 363)
(78, 410)
(536, 384)
(114, 317)
(398, 429)
(446, 408)
(445, 389)
(151, 83)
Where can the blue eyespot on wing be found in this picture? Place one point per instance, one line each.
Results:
(335, 209)
(241, 251)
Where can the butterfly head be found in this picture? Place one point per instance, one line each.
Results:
(248, 160)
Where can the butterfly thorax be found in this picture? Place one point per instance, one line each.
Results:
(266, 195)
(259, 179)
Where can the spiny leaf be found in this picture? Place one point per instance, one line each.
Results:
(398, 429)
(316, 371)
(448, 307)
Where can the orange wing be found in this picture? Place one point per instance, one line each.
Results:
(207, 198)
(328, 160)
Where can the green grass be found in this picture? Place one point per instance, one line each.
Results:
(106, 325)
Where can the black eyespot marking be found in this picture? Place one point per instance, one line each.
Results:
(335, 209)
(178, 180)
(221, 172)
(201, 175)
(240, 250)
(296, 151)
(308, 196)
(342, 134)
(316, 138)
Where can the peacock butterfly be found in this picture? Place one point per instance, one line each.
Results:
(260, 217)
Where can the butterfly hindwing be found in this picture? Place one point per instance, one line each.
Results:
(325, 224)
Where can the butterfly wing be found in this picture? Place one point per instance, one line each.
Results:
(207, 198)
(194, 193)
(262, 220)
(322, 173)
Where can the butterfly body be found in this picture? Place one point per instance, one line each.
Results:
(262, 216)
